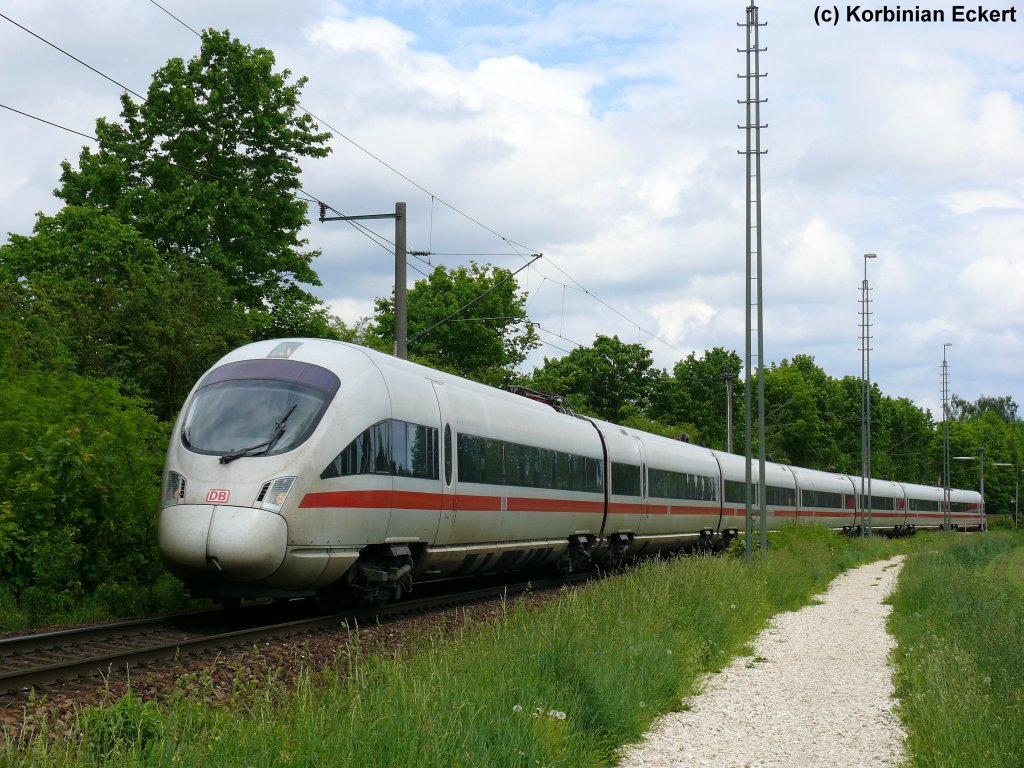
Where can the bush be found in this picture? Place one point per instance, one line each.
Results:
(82, 464)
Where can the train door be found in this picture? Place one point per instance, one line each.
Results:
(448, 478)
(796, 500)
(854, 503)
(643, 520)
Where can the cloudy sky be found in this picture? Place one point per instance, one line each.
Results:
(604, 135)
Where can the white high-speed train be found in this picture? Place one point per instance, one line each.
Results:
(304, 467)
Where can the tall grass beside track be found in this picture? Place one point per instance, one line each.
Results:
(958, 616)
(563, 684)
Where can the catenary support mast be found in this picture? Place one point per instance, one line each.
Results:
(401, 290)
(754, 294)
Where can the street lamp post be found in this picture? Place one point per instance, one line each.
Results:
(1016, 486)
(945, 436)
(865, 410)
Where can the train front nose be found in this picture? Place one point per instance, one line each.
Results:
(221, 543)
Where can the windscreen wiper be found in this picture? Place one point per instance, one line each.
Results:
(266, 445)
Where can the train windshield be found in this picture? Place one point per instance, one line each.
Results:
(257, 408)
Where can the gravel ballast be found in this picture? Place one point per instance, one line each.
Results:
(817, 691)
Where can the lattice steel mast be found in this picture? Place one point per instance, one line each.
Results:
(754, 295)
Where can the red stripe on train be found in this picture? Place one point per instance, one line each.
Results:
(384, 499)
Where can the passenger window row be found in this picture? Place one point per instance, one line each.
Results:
(389, 447)
(822, 499)
(924, 505)
(776, 495)
(500, 462)
(404, 449)
(885, 503)
(666, 484)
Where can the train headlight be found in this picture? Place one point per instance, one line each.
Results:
(174, 490)
(273, 494)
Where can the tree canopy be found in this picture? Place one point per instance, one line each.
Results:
(695, 393)
(469, 320)
(610, 379)
(207, 167)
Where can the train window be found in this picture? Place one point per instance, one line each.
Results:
(821, 499)
(666, 484)
(546, 471)
(886, 503)
(389, 447)
(736, 492)
(470, 463)
(625, 479)
(400, 448)
(562, 479)
(513, 464)
(778, 496)
(230, 414)
(420, 450)
(492, 461)
(529, 461)
(924, 505)
(591, 477)
(499, 462)
(447, 454)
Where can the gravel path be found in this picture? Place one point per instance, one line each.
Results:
(817, 692)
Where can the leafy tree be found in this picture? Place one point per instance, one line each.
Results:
(155, 322)
(485, 340)
(901, 438)
(1004, 408)
(207, 167)
(685, 432)
(609, 379)
(796, 398)
(1003, 444)
(695, 394)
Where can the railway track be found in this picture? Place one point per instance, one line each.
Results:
(41, 659)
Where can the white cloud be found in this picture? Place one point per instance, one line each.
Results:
(604, 134)
(817, 263)
(349, 309)
(975, 200)
(677, 320)
(374, 35)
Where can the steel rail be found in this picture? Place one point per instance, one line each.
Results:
(18, 680)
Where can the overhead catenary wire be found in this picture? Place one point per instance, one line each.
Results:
(519, 249)
(122, 86)
(470, 303)
(435, 198)
(48, 122)
(301, 191)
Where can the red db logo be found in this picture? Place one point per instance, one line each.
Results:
(217, 496)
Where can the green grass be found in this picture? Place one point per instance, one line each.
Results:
(1008, 566)
(564, 684)
(958, 616)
